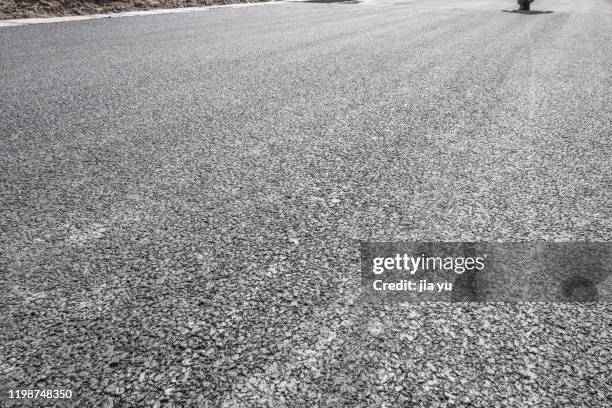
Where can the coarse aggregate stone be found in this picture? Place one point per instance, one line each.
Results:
(183, 198)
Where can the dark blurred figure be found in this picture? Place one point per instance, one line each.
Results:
(524, 4)
(578, 268)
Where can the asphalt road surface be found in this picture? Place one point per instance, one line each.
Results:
(183, 198)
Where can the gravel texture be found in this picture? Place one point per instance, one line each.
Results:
(183, 198)
(11, 9)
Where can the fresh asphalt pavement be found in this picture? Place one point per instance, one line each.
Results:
(183, 198)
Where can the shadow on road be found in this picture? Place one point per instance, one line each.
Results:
(332, 1)
(531, 12)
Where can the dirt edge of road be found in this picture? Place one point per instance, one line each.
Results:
(11, 9)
